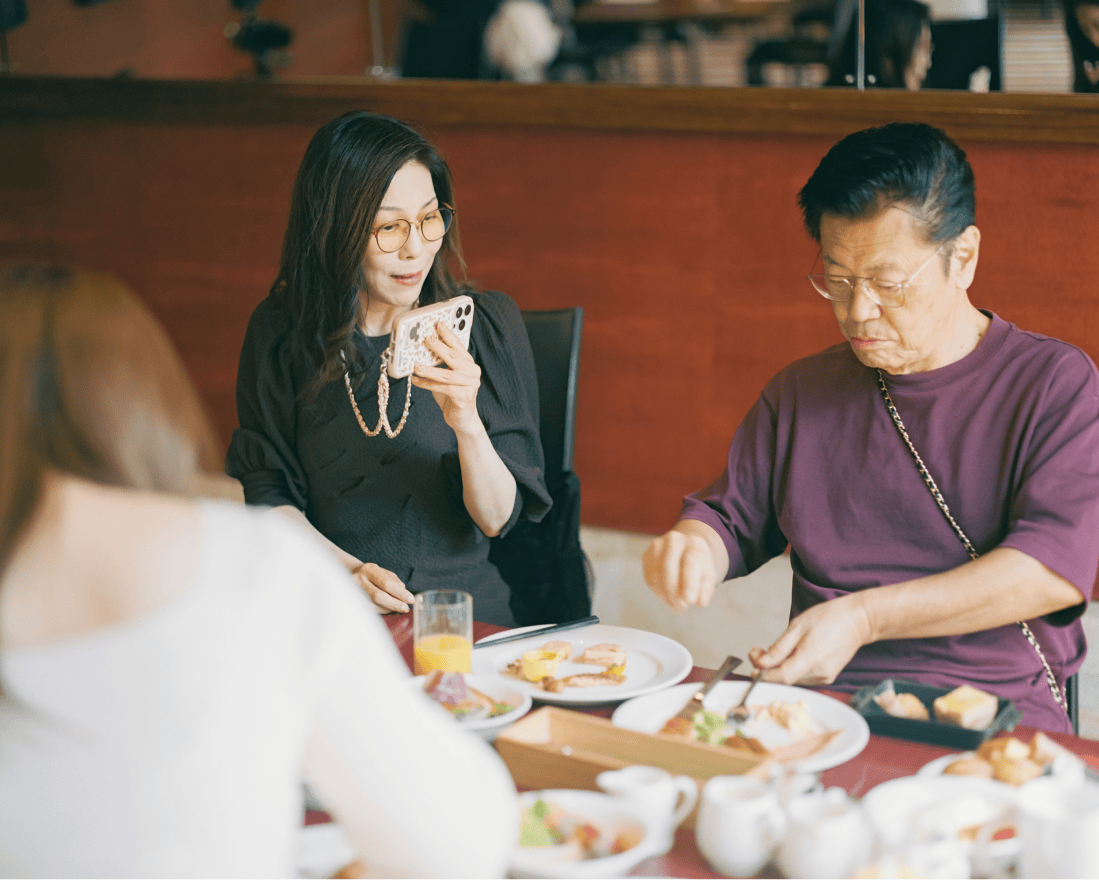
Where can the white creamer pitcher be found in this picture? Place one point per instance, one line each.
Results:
(826, 836)
(740, 822)
(666, 799)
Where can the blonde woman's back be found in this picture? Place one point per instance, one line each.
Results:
(171, 672)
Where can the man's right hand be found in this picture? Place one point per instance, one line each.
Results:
(680, 567)
(384, 588)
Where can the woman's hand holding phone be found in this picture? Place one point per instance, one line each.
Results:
(454, 386)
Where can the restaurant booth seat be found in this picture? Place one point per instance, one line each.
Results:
(549, 574)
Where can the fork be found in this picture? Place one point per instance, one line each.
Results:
(740, 712)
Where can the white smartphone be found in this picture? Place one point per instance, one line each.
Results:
(406, 346)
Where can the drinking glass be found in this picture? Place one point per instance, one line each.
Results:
(442, 631)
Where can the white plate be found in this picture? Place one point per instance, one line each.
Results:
(1068, 767)
(942, 803)
(501, 690)
(653, 662)
(648, 714)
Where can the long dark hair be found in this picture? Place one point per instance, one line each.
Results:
(343, 178)
(893, 30)
(1082, 48)
(90, 386)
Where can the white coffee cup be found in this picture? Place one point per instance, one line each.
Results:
(665, 799)
(740, 822)
(826, 836)
(1058, 826)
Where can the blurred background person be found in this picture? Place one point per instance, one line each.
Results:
(898, 47)
(171, 668)
(1082, 30)
(521, 40)
(480, 39)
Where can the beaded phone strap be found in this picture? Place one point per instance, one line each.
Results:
(383, 402)
(1051, 679)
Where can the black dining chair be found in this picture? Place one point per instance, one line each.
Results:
(1072, 698)
(555, 341)
(543, 563)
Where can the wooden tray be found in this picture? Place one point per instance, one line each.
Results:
(559, 748)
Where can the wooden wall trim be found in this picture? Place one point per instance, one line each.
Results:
(1039, 118)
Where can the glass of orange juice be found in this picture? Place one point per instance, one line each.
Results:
(442, 627)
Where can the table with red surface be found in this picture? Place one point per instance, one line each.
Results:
(884, 758)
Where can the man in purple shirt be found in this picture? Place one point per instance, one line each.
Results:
(1005, 423)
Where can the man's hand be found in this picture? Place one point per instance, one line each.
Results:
(384, 588)
(680, 566)
(817, 644)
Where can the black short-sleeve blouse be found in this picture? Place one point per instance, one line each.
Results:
(394, 502)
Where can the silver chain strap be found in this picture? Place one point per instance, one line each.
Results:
(383, 402)
(1051, 679)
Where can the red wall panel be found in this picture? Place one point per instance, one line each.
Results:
(686, 251)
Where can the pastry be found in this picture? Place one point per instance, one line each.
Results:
(967, 707)
(903, 705)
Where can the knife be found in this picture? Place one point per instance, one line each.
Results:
(683, 720)
(537, 633)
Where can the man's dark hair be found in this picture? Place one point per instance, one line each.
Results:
(909, 164)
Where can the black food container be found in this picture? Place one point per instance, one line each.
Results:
(881, 722)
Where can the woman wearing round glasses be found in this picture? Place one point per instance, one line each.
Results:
(373, 234)
(936, 476)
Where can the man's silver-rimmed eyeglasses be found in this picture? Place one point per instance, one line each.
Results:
(391, 236)
(887, 294)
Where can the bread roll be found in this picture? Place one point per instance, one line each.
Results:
(1016, 772)
(975, 766)
(967, 707)
(1001, 747)
(1044, 750)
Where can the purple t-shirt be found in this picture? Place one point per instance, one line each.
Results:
(1010, 434)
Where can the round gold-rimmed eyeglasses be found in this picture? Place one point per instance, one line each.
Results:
(887, 294)
(432, 226)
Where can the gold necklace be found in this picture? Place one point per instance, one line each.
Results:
(383, 401)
